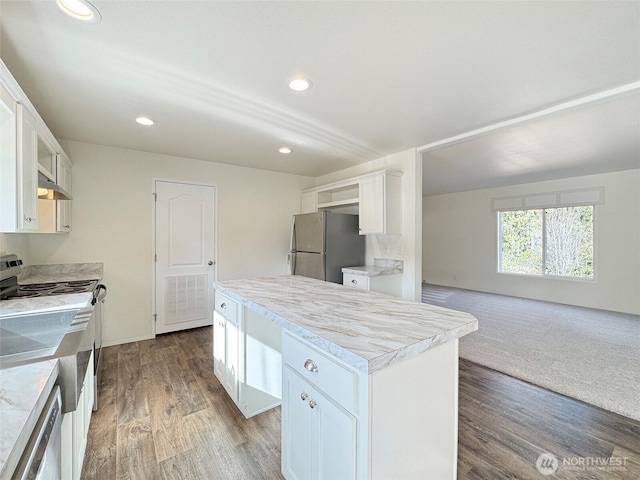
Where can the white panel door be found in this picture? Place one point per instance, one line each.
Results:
(185, 255)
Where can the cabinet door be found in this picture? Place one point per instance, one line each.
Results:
(372, 208)
(8, 152)
(219, 346)
(27, 170)
(296, 427)
(232, 360)
(318, 436)
(334, 430)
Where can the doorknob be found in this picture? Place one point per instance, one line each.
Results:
(210, 262)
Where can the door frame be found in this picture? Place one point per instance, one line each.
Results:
(152, 258)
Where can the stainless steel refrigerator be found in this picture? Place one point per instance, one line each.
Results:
(322, 243)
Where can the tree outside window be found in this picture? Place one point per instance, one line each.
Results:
(552, 241)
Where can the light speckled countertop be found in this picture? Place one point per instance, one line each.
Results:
(65, 272)
(367, 330)
(23, 393)
(69, 301)
(381, 266)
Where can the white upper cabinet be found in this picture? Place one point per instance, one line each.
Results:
(376, 198)
(309, 202)
(27, 180)
(8, 161)
(27, 149)
(380, 207)
(18, 163)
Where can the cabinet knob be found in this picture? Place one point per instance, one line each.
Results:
(28, 219)
(312, 404)
(210, 262)
(223, 305)
(304, 396)
(354, 281)
(67, 226)
(311, 366)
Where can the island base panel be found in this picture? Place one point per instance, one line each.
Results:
(414, 417)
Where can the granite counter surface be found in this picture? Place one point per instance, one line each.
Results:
(381, 266)
(23, 393)
(367, 330)
(68, 301)
(65, 272)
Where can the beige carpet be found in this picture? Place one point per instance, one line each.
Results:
(591, 355)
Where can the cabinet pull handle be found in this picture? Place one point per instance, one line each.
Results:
(354, 281)
(304, 396)
(223, 305)
(67, 226)
(312, 404)
(311, 366)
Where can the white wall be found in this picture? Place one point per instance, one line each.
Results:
(408, 246)
(112, 223)
(460, 244)
(17, 243)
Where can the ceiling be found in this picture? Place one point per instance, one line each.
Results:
(387, 76)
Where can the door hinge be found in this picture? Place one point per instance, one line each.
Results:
(155, 196)
(155, 317)
(155, 257)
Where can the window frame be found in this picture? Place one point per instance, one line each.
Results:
(545, 275)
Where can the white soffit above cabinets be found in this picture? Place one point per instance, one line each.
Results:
(386, 76)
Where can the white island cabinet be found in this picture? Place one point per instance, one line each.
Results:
(369, 382)
(246, 356)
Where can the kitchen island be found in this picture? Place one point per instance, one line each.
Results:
(369, 381)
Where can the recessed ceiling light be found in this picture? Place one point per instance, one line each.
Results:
(80, 10)
(146, 121)
(300, 84)
(285, 150)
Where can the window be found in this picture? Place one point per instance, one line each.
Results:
(549, 241)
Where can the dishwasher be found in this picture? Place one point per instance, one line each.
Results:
(42, 457)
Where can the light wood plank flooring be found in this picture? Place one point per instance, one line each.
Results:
(163, 414)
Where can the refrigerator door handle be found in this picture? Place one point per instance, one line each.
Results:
(293, 234)
(293, 248)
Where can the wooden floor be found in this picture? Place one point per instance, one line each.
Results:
(163, 414)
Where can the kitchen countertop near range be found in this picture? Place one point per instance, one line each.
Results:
(65, 272)
(23, 393)
(367, 330)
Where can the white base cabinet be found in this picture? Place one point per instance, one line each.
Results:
(75, 429)
(247, 358)
(318, 435)
(398, 422)
(388, 284)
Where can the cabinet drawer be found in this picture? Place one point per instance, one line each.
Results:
(357, 281)
(227, 307)
(321, 370)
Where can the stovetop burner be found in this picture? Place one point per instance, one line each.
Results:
(57, 288)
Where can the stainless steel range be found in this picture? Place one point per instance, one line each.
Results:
(84, 333)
